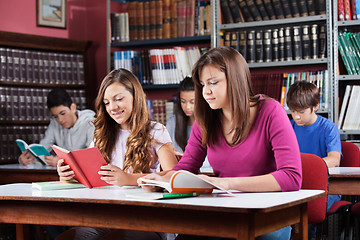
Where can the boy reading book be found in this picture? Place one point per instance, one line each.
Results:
(69, 128)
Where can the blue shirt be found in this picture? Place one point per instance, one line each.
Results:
(319, 138)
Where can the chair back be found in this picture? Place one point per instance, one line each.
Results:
(315, 176)
(351, 155)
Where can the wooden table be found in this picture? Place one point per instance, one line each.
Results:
(344, 180)
(16, 173)
(244, 216)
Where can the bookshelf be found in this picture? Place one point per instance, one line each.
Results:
(159, 82)
(302, 58)
(31, 66)
(343, 78)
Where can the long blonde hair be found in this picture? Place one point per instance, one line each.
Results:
(138, 156)
(240, 93)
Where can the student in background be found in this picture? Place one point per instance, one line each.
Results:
(179, 125)
(315, 134)
(247, 138)
(69, 128)
(132, 145)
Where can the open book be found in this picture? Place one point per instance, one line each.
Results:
(184, 182)
(37, 150)
(85, 163)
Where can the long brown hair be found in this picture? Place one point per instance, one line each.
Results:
(240, 93)
(186, 84)
(138, 156)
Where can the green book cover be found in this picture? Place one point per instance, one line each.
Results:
(56, 185)
(343, 54)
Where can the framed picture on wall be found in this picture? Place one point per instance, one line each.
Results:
(51, 13)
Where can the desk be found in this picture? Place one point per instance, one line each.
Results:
(16, 173)
(244, 216)
(344, 180)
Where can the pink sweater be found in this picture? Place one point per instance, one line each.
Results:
(271, 147)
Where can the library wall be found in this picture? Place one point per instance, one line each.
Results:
(85, 21)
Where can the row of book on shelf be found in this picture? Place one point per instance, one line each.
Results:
(350, 111)
(234, 11)
(8, 134)
(29, 104)
(160, 19)
(276, 85)
(279, 44)
(349, 48)
(348, 10)
(27, 66)
(159, 66)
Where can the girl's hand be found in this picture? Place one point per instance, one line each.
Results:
(220, 182)
(64, 171)
(52, 160)
(114, 175)
(152, 176)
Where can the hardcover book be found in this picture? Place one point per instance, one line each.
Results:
(183, 182)
(85, 163)
(226, 12)
(245, 10)
(56, 185)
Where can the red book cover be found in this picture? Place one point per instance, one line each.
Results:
(347, 10)
(353, 10)
(85, 163)
(190, 18)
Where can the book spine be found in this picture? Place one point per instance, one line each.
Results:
(133, 25)
(267, 46)
(294, 8)
(279, 12)
(353, 9)
(286, 6)
(166, 19)
(305, 38)
(269, 9)
(226, 12)
(347, 10)
(311, 8)
(159, 19)
(261, 7)
(357, 3)
(297, 43)
(173, 19)
(321, 7)
(234, 43)
(288, 43)
(242, 42)
(181, 12)
(22, 69)
(190, 20)
(140, 19)
(303, 8)
(281, 44)
(245, 10)
(254, 10)
(314, 41)
(322, 41)
(259, 50)
(251, 54)
(341, 11)
(275, 45)
(235, 11)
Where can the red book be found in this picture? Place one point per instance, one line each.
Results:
(341, 12)
(347, 10)
(181, 13)
(85, 163)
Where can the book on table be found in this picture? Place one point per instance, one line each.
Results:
(56, 185)
(184, 182)
(160, 195)
(85, 163)
(37, 150)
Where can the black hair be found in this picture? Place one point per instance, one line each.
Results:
(58, 97)
(186, 84)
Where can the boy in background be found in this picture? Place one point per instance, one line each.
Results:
(315, 134)
(69, 128)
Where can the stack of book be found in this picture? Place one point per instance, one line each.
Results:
(348, 10)
(234, 11)
(158, 66)
(279, 44)
(139, 20)
(349, 48)
(31, 66)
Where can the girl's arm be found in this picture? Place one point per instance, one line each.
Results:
(167, 157)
